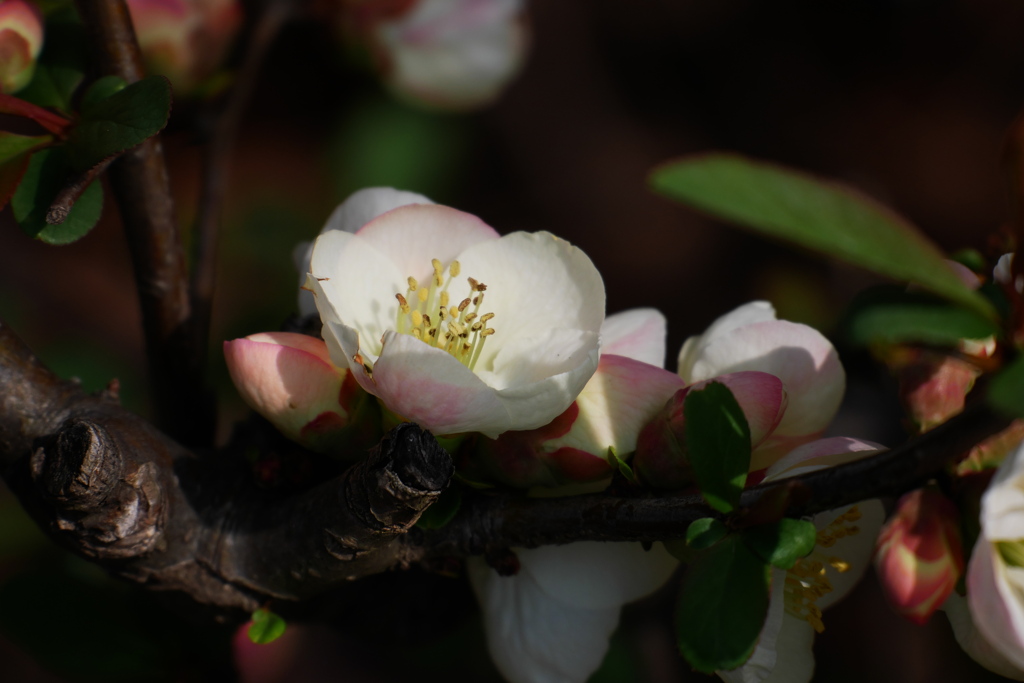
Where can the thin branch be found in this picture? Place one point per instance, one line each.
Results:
(217, 160)
(73, 189)
(140, 182)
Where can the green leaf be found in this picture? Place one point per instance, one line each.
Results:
(15, 152)
(782, 543)
(624, 469)
(718, 439)
(828, 217)
(46, 174)
(705, 532)
(121, 121)
(266, 627)
(722, 606)
(443, 509)
(1006, 392)
(892, 315)
(101, 89)
(59, 69)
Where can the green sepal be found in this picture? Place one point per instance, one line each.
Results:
(705, 532)
(718, 440)
(266, 627)
(782, 543)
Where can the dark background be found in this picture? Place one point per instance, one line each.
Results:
(908, 100)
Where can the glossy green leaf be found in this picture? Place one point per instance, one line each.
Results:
(705, 532)
(718, 439)
(1006, 392)
(893, 315)
(59, 70)
(828, 217)
(124, 119)
(266, 627)
(782, 543)
(15, 152)
(101, 89)
(722, 606)
(46, 174)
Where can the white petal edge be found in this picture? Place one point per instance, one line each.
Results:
(534, 638)
(638, 333)
(973, 642)
(594, 575)
(995, 606)
(747, 314)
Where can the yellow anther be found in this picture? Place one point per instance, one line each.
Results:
(413, 285)
(471, 316)
(488, 332)
(402, 303)
(437, 266)
(477, 326)
(486, 317)
(422, 295)
(454, 268)
(426, 320)
(445, 297)
(463, 305)
(442, 313)
(418, 333)
(839, 565)
(417, 318)
(454, 310)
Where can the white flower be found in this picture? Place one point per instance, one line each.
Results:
(995, 575)
(454, 327)
(750, 338)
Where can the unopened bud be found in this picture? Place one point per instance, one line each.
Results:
(918, 556)
(21, 39)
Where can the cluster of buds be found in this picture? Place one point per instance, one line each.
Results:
(21, 39)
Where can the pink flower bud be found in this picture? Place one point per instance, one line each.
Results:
(918, 556)
(290, 380)
(932, 385)
(185, 40)
(662, 457)
(21, 39)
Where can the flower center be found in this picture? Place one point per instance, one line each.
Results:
(807, 581)
(427, 313)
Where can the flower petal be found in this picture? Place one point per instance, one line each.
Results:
(799, 355)
(974, 643)
(760, 395)
(622, 396)
(820, 454)
(357, 210)
(994, 603)
(534, 637)
(638, 333)
(594, 575)
(854, 546)
(747, 314)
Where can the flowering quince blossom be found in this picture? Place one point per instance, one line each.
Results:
(451, 54)
(290, 380)
(21, 40)
(995, 575)
(846, 537)
(185, 40)
(919, 557)
(750, 338)
(551, 622)
(451, 325)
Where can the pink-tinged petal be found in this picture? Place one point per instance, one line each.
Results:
(821, 454)
(593, 575)
(357, 210)
(453, 54)
(621, 397)
(761, 397)
(427, 386)
(638, 333)
(1002, 506)
(799, 355)
(289, 379)
(974, 643)
(919, 558)
(994, 602)
(695, 347)
(534, 637)
(21, 39)
(413, 235)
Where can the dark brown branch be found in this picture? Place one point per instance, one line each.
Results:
(73, 189)
(114, 489)
(217, 160)
(140, 183)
